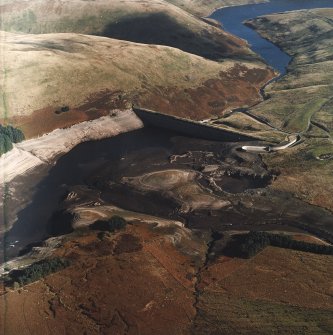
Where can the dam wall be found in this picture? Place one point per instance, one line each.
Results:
(189, 127)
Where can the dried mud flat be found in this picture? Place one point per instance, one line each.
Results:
(205, 184)
(166, 273)
(191, 290)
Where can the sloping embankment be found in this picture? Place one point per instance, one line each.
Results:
(29, 154)
(189, 127)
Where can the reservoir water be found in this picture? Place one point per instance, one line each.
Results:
(232, 19)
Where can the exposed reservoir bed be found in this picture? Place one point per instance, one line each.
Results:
(80, 164)
(207, 183)
(104, 163)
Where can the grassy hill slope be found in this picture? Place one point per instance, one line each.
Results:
(205, 7)
(157, 23)
(302, 101)
(46, 69)
(92, 75)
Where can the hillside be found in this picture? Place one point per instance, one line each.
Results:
(204, 7)
(159, 23)
(147, 223)
(302, 101)
(92, 75)
(150, 279)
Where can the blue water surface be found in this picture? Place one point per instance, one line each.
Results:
(232, 19)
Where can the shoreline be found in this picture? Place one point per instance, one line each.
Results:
(48, 246)
(254, 2)
(40, 154)
(45, 150)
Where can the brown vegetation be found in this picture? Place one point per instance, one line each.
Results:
(139, 281)
(128, 283)
(52, 70)
(278, 292)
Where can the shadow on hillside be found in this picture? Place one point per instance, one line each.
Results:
(159, 28)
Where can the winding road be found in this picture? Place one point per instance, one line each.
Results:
(292, 141)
